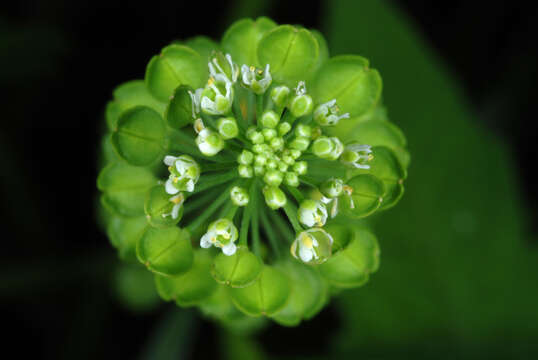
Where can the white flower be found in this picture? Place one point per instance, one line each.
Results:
(256, 79)
(216, 71)
(312, 213)
(209, 142)
(217, 97)
(327, 114)
(239, 196)
(221, 233)
(312, 246)
(184, 174)
(178, 201)
(357, 155)
(195, 99)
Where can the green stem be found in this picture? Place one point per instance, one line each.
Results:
(250, 107)
(201, 200)
(218, 166)
(183, 143)
(204, 216)
(295, 193)
(247, 213)
(291, 213)
(268, 229)
(259, 108)
(282, 226)
(230, 213)
(288, 116)
(256, 242)
(209, 181)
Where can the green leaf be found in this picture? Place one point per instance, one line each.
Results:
(135, 288)
(158, 208)
(203, 46)
(165, 251)
(124, 188)
(238, 270)
(351, 265)
(387, 168)
(242, 37)
(308, 293)
(192, 287)
(179, 110)
(265, 296)
(323, 50)
(367, 196)
(140, 136)
(124, 234)
(291, 52)
(348, 79)
(176, 65)
(128, 95)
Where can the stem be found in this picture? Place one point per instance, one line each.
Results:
(268, 231)
(288, 116)
(259, 108)
(256, 243)
(247, 213)
(282, 225)
(230, 213)
(295, 193)
(218, 166)
(183, 143)
(202, 199)
(195, 224)
(250, 107)
(291, 213)
(209, 181)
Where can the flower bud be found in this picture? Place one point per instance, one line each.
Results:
(227, 127)
(327, 148)
(284, 128)
(209, 142)
(245, 171)
(312, 213)
(239, 196)
(271, 164)
(269, 134)
(332, 188)
(280, 95)
(291, 179)
(273, 177)
(295, 153)
(259, 170)
(301, 104)
(184, 174)
(260, 160)
(327, 114)
(303, 130)
(274, 197)
(217, 97)
(312, 246)
(221, 233)
(300, 143)
(300, 167)
(245, 158)
(257, 80)
(255, 136)
(357, 155)
(270, 119)
(277, 143)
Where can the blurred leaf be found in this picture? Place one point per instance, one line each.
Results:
(454, 266)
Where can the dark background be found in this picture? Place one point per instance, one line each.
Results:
(60, 60)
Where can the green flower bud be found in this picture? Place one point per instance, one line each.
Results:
(184, 174)
(274, 197)
(300, 167)
(295, 153)
(327, 114)
(245, 171)
(270, 119)
(257, 80)
(221, 233)
(312, 246)
(301, 104)
(312, 213)
(227, 127)
(332, 188)
(357, 155)
(255, 136)
(271, 164)
(239, 196)
(269, 134)
(245, 158)
(277, 143)
(280, 95)
(316, 133)
(300, 143)
(260, 160)
(288, 160)
(209, 142)
(259, 170)
(327, 148)
(303, 130)
(273, 177)
(217, 97)
(291, 179)
(284, 128)
(282, 166)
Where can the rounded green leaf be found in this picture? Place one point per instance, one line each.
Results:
(108, 153)
(179, 110)
(124, 188)
(323, 50)
(175, 65)
(366, 197)
(265, 296)
(308, 293)
(203, 46)
(135, 288)
(291, 52)
(165, 251)
(124, 233)
(387, 168)
(192, 287)
(351, 265)
(140, 136)
(238, 270)
(242, 37)
(158, 208)
(128, 95)
(350, 81)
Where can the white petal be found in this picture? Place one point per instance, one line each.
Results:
(229, 249)
(169, 160)
(175, 211)
(190, 185)
(169, 187)
(205, 241)
(305, 254)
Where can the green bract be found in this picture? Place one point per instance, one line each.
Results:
(236, 173)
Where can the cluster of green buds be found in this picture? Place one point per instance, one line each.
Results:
(273, 152)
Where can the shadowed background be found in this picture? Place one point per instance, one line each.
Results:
(459, 253)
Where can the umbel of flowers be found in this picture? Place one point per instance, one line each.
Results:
(239, 172)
